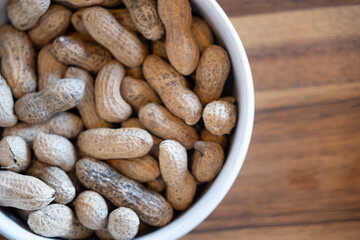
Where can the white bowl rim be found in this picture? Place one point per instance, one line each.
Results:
(222, 184)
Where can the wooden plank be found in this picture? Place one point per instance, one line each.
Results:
(246, 7)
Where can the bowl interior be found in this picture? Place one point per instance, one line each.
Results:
(240, 85)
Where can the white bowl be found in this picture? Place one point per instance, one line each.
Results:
(13, 228)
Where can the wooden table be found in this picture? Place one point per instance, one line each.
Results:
(301, 178)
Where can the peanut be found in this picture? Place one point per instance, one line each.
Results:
(15, 154)
(55, 97)
(77, 184)
(158, 185)
(159, 121)
(207, 160)
(110, 3)
(75, 51)
(211, 74)
(86, 106)
(135, 73)
(122, 15)
(105, 143)
(207, 136)
(7, 116)
(78, 231)
(77, 22)
(64, 124)
(151, 207)
(145, 17)
(17, 61)
(24, 214)
(109, 102)
(123, 223)
(49, 69)
(125, 46)
(143, 169)
(159, 48)
(181, 185)
(91, 210)
(169, 84)
(24, 192)
(55, 150)
(55, 178)
(229, 99)
(138, 93)
(52, 24)
(202, 33)
(219, 117)
(104, 234)
(25, 14)
(80, 3)
(181, 48)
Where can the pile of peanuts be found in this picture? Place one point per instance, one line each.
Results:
(157, 73)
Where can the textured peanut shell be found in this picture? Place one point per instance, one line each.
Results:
(208, 160)
(80, 3)
(181, 48)
(56, 97)
(202, 33)
(110, 3)
(123, 223)
(78, 231)
(125, 46)
(7, 116)
(104, 234)
(219, 117)
(143, 169)
(77, 22)
(181, 185)
(135, 73)
(15, 154)
(75, 51)
(64, 124)
(49, 69)
(25, 14)
(159, 48)
(169, 84)
(211, 74)
(17, 61)
(138, 93)
(109, 102)
(106, 143)
(152, 208)
(51, 25)
(91, 210)
(86, 106)
(55, 150)
(55, 178)
(159, 121)
(24, 192)
(122, 15)
(144, 15)
(158, 185)
(205, 135)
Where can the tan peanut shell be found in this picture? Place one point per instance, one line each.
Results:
(219, 117)
(138, 92)
(181, 48)
(77, 22)
(109, 103)
(159, 48)
(110, 3)
(229, 99)
(17, 61)
(15, 154)
(158, 185)
(52, 24)
(144, 15)
(181, 185)
(151, 207)
(75, 51)
(86, 106)
(49, 69)
(123, 223)
(56, 97)
(78, 231)
(106, 143)
(205, 135)
(211, 74)
(55, 150)
(7, 116)
(24, 192)
(125, 46)
(159, 121)
(55, 178)
(64, 124)
(122, 15)
(135, 73)
(208, 160)
(202, 33)
(80, 3)
(169, 84)
(91, 210)
(142, 169)
(104, 234)
(25, 14)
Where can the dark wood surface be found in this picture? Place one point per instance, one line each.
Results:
(301, 178)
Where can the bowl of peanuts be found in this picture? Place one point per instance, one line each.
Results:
(119, 119)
